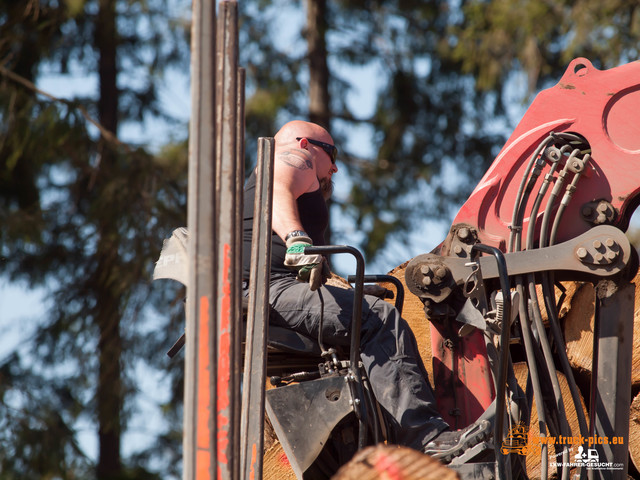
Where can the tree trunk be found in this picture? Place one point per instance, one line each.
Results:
(109, 389)
(319, 111)
(318, 70)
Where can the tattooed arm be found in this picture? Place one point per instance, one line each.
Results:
(294, 174)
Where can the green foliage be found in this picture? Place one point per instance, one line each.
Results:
(492, 39)
(84, 215)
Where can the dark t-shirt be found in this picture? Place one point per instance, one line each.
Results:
(314, 216)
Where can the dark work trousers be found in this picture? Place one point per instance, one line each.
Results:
(388, 350)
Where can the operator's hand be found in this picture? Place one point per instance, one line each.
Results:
(311, 268)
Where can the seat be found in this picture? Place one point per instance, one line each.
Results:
(288, 351)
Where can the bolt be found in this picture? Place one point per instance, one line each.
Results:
(587, 211)
(426, 281)
(463, 233)
(582, 253)
(609, 242)
(611, 255)
(425, 269)
(457, 249)
(599, 257)
(440, 272)
(597, 244)
(602, 207)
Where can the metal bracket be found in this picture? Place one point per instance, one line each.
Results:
(304, 414)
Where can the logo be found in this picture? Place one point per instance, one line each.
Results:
(517, 441)
(588, 458)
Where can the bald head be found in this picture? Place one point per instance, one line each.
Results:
(298, 128)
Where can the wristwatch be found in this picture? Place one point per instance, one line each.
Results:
(295, 233)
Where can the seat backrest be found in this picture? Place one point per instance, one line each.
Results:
(279, 339)
(285, 339)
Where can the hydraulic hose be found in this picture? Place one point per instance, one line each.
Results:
(525, 327)
(522, 196)
(548, 357)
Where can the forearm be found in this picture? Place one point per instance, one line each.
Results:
(285, 214)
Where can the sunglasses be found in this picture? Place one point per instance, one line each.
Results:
(331, 150)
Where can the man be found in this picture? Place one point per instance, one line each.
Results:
(305, 162)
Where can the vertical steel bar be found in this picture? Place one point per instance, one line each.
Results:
(199, 424)
(611, 393)
(228, 194)
(240, 174)
(258, 316)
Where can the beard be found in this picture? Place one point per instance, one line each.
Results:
(326, 187)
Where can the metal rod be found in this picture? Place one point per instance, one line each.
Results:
(356, 324)
(611, 373)
(228, 246)
(377, 278)
(238, 234)
(253, 400)
(358, 295)
(504, 353)
(199, 390)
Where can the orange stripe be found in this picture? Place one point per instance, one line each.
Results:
(254, 457)
(224, 362)
(203, 414)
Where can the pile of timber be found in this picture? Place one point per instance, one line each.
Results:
(576, 314)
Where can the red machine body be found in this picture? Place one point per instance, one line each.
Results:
(603, 107)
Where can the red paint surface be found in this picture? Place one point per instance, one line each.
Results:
(604, 107)
(224, 363)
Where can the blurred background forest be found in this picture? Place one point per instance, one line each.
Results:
(419, 95)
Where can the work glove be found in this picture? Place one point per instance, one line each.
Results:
(311, 268)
